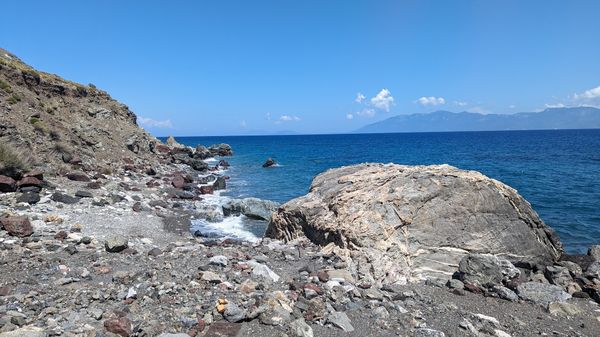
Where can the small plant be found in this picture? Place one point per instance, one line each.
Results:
(31, 74)
(34, 120)
(14, 99)
(12, 163)
(40, 126)
(91, 85)
(81, 90)
(54, 135)
(5, 86)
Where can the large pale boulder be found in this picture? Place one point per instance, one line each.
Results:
(395, 223)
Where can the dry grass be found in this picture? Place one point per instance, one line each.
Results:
(13, 162)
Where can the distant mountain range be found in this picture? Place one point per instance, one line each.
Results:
(440, 121)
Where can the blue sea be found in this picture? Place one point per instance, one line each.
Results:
(557, 171)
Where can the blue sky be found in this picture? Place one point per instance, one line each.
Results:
(238, 67)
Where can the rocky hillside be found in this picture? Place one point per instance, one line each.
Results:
(57, 122)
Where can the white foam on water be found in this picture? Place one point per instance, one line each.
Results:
(231, 227)
(211, 160)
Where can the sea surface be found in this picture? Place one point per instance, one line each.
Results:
(557, 171)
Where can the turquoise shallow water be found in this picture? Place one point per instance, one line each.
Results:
(557, 171)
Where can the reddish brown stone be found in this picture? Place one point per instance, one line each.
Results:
(178, 181)
(323, 276)
(94, 185)
(17, 225)
(118, 325)
(78, 176)
(29, 181)
(161, 148)
(314, 287)
(4, 291)
(37, 173)
(61, 235)
(7, 184)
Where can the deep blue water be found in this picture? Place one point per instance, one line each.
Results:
(557, 171)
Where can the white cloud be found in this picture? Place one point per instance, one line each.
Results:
(243, 124)
(359, 98)
(431, 101)
(349, 116)
(512, 106)
(591, 94)
(459, 103)
(152, 123)
(366, 113)
(383, 100)
(557, 105)
(287, 118)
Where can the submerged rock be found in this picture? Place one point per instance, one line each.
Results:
(251, 207)
(269, 162)
(415, 221)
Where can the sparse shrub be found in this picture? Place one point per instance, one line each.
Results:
(5, 86)
(91, 85)
(54, 135)
(12, 162)
(14, 99)
(31, 74)
(81, 90)
(34, 120)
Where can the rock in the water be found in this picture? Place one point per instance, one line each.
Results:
(542, 293)
(415, 221)
(220, 150)
(17, 225)
(115, 244)
(251, 207)
(7, 184)
(486, 270)
(269, 162)
(202, 152)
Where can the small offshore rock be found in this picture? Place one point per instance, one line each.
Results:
(116, 244)
(268, 163)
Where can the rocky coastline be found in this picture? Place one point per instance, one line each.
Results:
(95, 240)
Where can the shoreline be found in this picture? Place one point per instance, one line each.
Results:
(165, 280)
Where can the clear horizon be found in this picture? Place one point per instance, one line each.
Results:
(234, 68)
